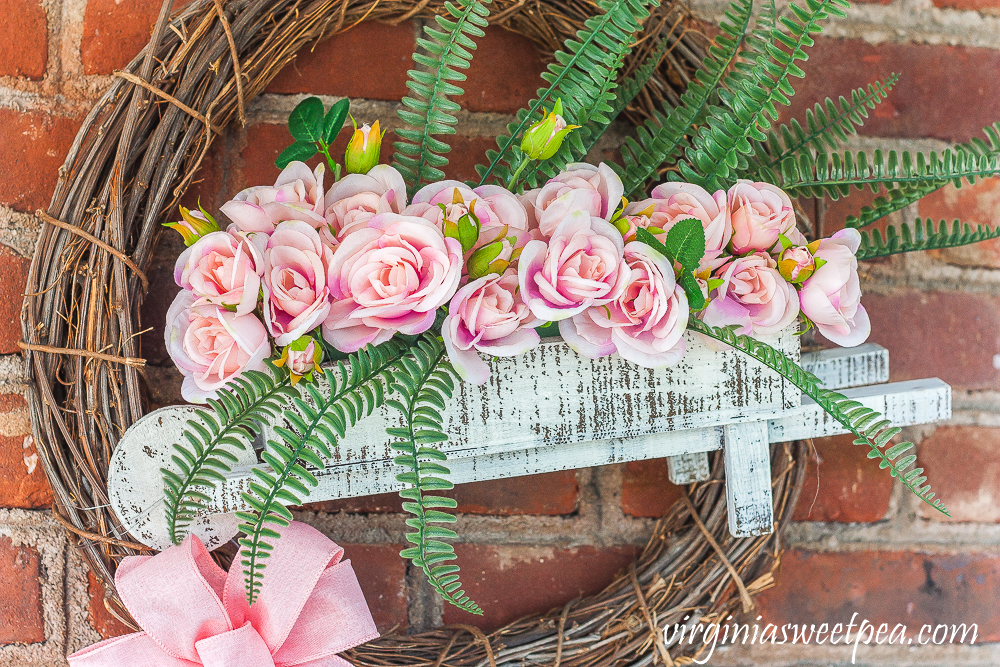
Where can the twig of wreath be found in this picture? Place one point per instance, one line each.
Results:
(139, 149)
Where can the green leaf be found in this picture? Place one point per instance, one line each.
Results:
(334, 120)
(306, 120)
(299, 151)
(695, 297)
(685, 243)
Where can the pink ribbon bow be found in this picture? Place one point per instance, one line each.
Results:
(310, 608)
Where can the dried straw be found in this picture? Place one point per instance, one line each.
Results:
(139, 149)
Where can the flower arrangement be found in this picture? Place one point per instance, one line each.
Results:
(404, 281)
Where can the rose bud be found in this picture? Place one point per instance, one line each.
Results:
(302, 356)
(363, 149)
(797, 263)
(543, 139)
(194, 225)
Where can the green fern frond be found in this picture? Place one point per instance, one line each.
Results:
(661, 137)
(231, 423)
(420, 156)
(868, 426)
(827, 125)
(423, 381)
(752, 95)
(922, 236)
(583, 78)
(835, 175)
(896, 199)
(336, 404)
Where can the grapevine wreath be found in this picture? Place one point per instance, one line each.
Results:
(143, 142)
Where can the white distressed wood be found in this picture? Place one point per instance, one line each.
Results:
(902, 403)
(546, 416)
(688, 468)
(748, 479)
(840, 368)
(135, 483)
(551, 395)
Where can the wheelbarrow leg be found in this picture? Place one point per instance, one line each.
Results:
(748, 479)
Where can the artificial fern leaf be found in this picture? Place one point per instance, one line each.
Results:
(922, 236)
(583, 77)
(896, 199)
(428, 112)
(661, 137)
(752, 94)
(868, 426)
(827, 125)
(835, 175)
(231, 424)
(422, 382)
(345, 395)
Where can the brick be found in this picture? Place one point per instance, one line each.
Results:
(511, 581)
(20, 595)
(982, 6)
(382, 575)
(22, 480)
(549, 494)
(647, 490)
(845, 487)
(32, 148)
(969, 483)
(101, 619)
(25, 49)
(13, 278)
(504, 75)
(912, 589)
(368, 61)
(951, 335)
(114, 31)
(977, 204)
(928, 101)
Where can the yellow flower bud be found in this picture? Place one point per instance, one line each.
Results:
(363, 149)
(194, 225)
(544, 138)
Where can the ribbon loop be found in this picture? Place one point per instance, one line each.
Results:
(192, 613)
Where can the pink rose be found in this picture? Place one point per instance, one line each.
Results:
(645, 325)
(579, 266)
(357, 198)
(389, 277)
(296, 294)
(759, 213)
(296, 195)
(754, 296)
(499, 212)
(672, 202)
(582, 187)
(831, 298)
(211, 346)
(224, 269)
(487, 315)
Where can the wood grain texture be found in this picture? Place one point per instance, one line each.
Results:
(840, 368)
(748, 479)
(688, 468)
(546, 416)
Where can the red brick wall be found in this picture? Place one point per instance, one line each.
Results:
(858, 543)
